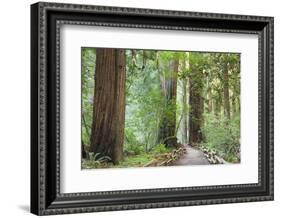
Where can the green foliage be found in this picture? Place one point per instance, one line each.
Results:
(98, 158)
(144, 102)
(160, 149)
(88, 68)
(147, 105)
(136, 160)
(95, 161)
(223, 136)
(133, 148)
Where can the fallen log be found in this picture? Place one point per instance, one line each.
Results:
(212, 156)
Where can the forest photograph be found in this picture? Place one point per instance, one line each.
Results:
(150, 108)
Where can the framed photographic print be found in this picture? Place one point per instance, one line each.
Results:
(139, 108)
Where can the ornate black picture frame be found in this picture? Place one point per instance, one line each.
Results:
(46, 18)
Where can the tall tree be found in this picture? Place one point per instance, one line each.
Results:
(167, 128)
(184, 100)
(226, 87)
(109, 104)
(196, 100)
(234, 84)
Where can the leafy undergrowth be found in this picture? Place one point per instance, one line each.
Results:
(141, 159)
(223, 136)
(128, 161)
(135, 160)
(227, 155)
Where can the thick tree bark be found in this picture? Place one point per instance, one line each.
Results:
(195, 119)
(167, 130)
(226, 92)
(109, 104)
(196, 103)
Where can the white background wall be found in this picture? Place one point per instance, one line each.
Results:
(15, 100)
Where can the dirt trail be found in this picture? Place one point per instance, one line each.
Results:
(193, 156)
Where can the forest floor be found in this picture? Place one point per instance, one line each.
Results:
(193, 156)
(184, 156)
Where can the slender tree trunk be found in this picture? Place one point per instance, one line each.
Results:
(210, 105)
(238, 103)
(226, 92)
(218, 103)
(234, 98)
(233, 104)
(208, 100)
(83, 150)
(167, 131)
(109, 104)
(144, 57)
(184, 111)
(184, 103)
(85, 125)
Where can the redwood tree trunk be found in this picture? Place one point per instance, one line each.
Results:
(196, 102)
(167, 129)
(109, 104)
